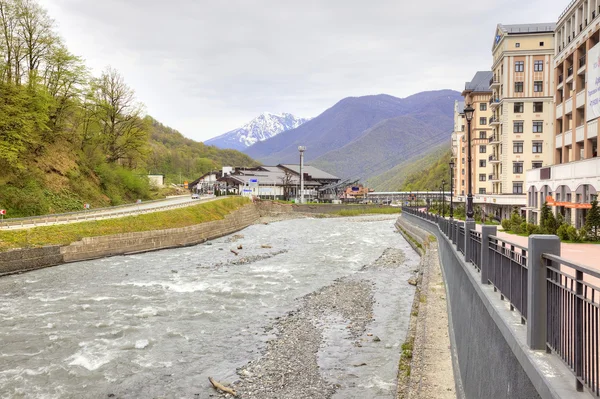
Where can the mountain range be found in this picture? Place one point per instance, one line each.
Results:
(261, 128)
(364, 137)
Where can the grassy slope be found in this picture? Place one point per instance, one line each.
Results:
(430, 178)
(62, 179)
(66, 234)
(393, 179)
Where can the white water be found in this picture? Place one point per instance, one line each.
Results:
(158, 324)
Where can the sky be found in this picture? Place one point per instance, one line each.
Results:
(207, 67)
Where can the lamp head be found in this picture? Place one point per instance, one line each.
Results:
(469, 110)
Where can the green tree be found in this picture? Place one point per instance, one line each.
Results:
(592, 221)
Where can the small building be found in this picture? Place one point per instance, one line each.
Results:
(157, 180)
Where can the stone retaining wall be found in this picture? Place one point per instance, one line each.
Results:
(98, 247)
(273, 208)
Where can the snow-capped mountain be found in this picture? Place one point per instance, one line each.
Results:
(258, 129)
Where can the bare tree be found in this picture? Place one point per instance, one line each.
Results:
(286, 182)
(124, 133)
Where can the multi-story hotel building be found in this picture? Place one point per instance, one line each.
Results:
(522, 105)
(572, 183)
(477, 93)
(458, 150)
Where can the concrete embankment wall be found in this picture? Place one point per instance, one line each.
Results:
(269, 208)
(97, 247)
(485, 361)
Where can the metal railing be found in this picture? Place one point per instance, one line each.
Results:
(474, 250)
(460, 245)
(573, 318)
(564, 302)
(508, 273)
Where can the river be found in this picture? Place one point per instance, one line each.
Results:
(158, 324)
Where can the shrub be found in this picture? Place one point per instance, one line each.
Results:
(573, 234)
(563, 232)
(506, 225)
(532, 229)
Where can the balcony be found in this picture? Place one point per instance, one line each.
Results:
(581, 65)
(559, 111)
(494, 102)
(494, 178)
(558, 142)
(494, 82)
(569, 106)
(581, 99)
(570, 71)
(495, 139)
(579, 134)
(493, 159)
(494, 121)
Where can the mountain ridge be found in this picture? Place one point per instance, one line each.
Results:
(261, 128)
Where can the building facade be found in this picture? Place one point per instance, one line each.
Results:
(522, 105)
(477, 94)
(572, 183)
(458, 150)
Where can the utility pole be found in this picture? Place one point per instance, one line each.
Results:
(301, 149)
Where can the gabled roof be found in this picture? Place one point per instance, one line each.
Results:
(311, 170)
(480, 82)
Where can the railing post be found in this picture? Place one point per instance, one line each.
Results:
(469, 225)
(537, 310)
(486, 232)
(450, 228)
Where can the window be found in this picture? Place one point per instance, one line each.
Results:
(541, 44)
(518, 127)
(483, 120)
(517, 45)
(483, 107)
(482, 135)
(518, 87)
(518, 108)
(538, 66)
(463, 160)
(538, 86)
(482, 163)
(518, 167)
(482, 177)
(519, 66)
(462, 128)
(536, 165)
(538, 126)
(537, 147)
(518, 147)
(482, 149)
(518, 187)
(463, 172)
(538, 107)
(482, 191)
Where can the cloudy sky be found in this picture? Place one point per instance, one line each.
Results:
(206, 67)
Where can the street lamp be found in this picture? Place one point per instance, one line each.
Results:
(443, 199)
(301, 149)
(451, 188)
(469, 116)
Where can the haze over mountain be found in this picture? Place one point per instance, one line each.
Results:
(261, 128)
(361, 137)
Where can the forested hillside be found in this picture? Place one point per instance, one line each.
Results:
(430, 178)
(68, 138)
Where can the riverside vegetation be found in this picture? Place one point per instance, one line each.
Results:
(69, 138)
(68, 233)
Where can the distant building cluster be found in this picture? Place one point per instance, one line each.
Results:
(535, 126)
(272, 182)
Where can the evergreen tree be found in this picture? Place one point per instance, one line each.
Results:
(592, 222)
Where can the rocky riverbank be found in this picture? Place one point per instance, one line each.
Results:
(302, 360)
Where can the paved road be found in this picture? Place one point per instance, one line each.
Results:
(104, 213)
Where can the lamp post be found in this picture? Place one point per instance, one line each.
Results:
(443, 199)
(451, 188)
(301, 149)
(469, 116)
